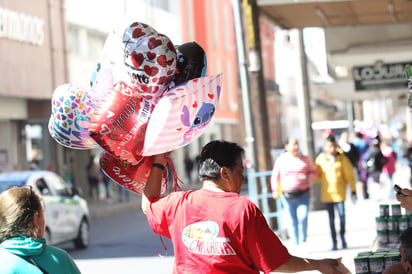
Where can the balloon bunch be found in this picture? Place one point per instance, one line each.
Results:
(146, 96)
(369, 129)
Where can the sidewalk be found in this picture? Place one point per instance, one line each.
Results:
(360, 228)
(360, 233)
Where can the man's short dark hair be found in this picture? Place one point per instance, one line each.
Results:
(331, 139)
(218, 154)
(406, 244)
(359, 135)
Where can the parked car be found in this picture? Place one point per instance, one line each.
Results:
(66, 213)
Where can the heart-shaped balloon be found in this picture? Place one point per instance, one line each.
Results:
(137, 30)
(191, 63)
(130, 177)
(182, 114)
(150, 58)
(70, 117)
(119, 122)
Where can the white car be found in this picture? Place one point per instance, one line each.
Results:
(66, 213)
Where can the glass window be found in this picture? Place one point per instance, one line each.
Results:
(57, 184)
(42, 187)
(214, 24)
(225, 28)
(95, 45)
(34, 137)
(72, 40)
(163, 4)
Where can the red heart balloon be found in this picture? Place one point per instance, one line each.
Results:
(130, 177)
(148, 55)
(118, 124)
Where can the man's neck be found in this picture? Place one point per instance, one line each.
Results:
(212, 186)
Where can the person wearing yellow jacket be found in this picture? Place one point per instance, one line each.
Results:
(335, 173)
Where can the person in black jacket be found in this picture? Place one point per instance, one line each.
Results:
(372, 163)
(349, 149)
(375, 161)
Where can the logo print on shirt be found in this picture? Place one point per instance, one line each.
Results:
(201, 238)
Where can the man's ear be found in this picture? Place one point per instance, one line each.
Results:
(407, 266)
(224, 173)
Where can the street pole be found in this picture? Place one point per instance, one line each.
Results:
(305, 115)
(258, 106)
(257, 87)
(303, 97)
(349, 110)
(244, 83)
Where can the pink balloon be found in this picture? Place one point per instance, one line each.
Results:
(182, 114)
(109, 68)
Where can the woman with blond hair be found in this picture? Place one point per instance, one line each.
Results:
(22, 246)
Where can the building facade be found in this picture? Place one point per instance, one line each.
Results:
(34, 61)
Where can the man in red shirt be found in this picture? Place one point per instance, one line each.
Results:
(214, 229)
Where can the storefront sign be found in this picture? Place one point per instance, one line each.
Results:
(21, 27)
(384, 76)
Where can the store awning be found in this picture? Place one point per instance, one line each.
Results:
(290, 14)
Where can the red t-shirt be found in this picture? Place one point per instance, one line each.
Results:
(216, 232)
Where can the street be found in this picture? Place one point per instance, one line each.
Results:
(123, 243)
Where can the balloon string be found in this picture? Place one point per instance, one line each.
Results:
(175, 180)
(164, 246)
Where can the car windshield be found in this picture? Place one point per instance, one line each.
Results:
(10, 180)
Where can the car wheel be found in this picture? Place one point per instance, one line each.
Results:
(82, 240)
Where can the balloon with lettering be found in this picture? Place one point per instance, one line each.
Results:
(182, 115)
(146, 97)
(130, 177)
(119, 122)
(191, 63)
(70, 117)
(150, 59)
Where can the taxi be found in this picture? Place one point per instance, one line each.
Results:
(66, 213)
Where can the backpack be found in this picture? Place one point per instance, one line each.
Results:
(374, 162)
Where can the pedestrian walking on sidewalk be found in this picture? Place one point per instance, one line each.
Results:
(93, 175)
(290, 182)
(360, 143)
(335, 173)
(388, 168)
(372, 163)
(214, 229)
(188, 167)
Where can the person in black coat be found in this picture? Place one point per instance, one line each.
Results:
(349, 149)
